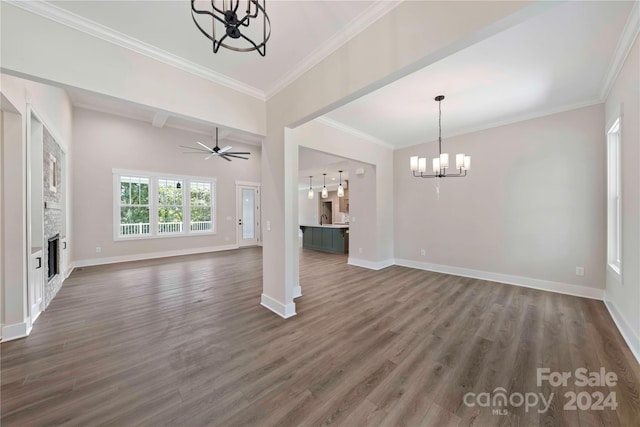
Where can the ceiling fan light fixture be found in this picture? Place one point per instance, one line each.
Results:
(217, 151)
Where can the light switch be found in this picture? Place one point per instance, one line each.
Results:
(268, 225)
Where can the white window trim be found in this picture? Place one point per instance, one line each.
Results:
(614, 266)
(153, 204)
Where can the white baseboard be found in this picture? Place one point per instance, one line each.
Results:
(371, 265)
(632, 339)
(297, 291)
(15, 331)
(69, 270)
(527, 282)
(151, 255)
(283, 310)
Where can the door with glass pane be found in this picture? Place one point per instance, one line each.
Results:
(248, 197)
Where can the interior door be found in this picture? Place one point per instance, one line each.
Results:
(248, 199)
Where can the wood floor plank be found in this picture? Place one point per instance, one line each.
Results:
(183, 341)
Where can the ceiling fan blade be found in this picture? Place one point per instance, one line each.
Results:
(202, 145)
(209, 156)
(238, 152)
(233, 155)
(196, 148)
(225, 148)
(194, 152)
(224, 156)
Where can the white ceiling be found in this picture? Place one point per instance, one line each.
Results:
(552, 62)
(315, 163)
(557, 60)
(303, 32)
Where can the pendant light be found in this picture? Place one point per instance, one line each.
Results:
(440, 164)
(340, 187)
(325, 193)
(310, 194)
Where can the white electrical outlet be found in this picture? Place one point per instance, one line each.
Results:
(98, 249)
(352, 219)
(423, 252)
(579, 271)
(359, 250)
(268, 225)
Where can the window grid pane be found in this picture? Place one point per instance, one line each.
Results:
(200, 207)
(170, 206)
(248, 207)
(134, 206)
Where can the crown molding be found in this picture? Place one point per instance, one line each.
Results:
(355, 132)
(87, 26)
(625, 43)
(77, 22)
(509, 121)
(352, 29)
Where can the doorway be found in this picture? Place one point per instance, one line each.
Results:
(248, 214)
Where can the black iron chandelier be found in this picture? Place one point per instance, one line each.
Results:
(440, 164)
(235, 15)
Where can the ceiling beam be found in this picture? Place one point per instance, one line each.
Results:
(159, 119)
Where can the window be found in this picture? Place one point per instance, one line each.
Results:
(200, 207)
(134, 206)
(148, 205)
(170, 206)
(614, 203)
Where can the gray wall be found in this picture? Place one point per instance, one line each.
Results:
(532, 206)
(624, 295)
(105, 142)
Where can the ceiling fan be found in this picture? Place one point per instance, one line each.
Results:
(216, 151)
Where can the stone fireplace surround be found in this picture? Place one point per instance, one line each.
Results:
(53, 194)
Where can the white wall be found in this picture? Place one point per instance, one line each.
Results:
(14, 226)
(308, 209)
(623, 298)
(533, 205)
(54, 108)
(371, 222)
(106, 141)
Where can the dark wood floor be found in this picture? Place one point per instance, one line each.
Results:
(182, 341)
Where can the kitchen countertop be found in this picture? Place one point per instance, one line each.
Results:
(326, 225)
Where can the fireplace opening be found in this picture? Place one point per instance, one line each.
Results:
(52, 255)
